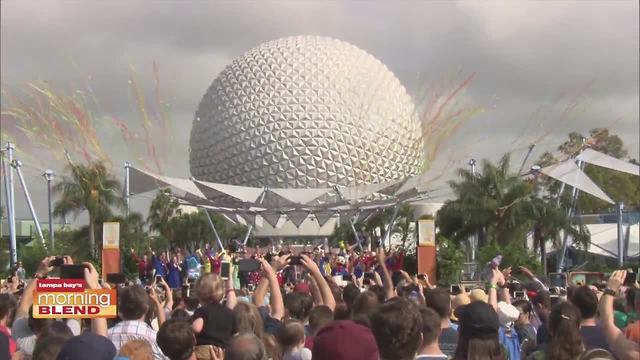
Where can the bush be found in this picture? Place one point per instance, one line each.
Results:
(450, 261)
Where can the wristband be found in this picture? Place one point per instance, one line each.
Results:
(38, 276)
(492, 286)
(229, 290)
(610, 292)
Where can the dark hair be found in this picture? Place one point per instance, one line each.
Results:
(298, 305)
(585, 300)
(341, 312)
(37, 325)
(290, 334)
(379, 291)
(176, 339)
(523, 305)
(478, 349)
(430, 325)
(542, 299)
(245, 347)
(59, 329)
(564, 328)
(349, 294)
(439, 300)
(397, 326)
(180, 315)
(630, 296)
(320, 317)
(365, 305)
(47, 347)
(7, 307)
(133, 302)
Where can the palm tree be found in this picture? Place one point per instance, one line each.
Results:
(163, 208)
(91, 188)
(492, 205)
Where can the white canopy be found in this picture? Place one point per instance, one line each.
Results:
(604, 239)
(260, 205)
(597, 158)
(569, 173)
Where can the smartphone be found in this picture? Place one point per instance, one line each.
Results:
(554, 299)
(295, 260)
(630, 279)
(455, 290)
(346, 277)
(116, 278)
(519, 294)
(186, 292)
(72, 271)
(58, 261)
(225, 270)
(158, 278)
(368, 276)
(298, 276)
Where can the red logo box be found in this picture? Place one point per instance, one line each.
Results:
(60, 285)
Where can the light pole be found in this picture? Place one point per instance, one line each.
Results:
(11, 205)
(48, 175)
(473, 239)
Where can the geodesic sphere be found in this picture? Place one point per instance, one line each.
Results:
(302, 112)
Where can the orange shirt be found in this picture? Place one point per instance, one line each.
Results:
(632, 331)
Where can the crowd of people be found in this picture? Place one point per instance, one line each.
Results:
(284, 304)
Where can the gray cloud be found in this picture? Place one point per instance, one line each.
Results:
(526, 56)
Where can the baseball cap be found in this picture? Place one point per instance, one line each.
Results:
(345, 340)
(478, 320)
(87, 346)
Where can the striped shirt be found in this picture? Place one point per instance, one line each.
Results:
(135, 329)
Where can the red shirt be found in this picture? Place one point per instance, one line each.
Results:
(142, 265)
(12, 343)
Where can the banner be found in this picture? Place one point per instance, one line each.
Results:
(110, 249)
(111, 235)
(426, 249)
(67, 299)
(426, 232)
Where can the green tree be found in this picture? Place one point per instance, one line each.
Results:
(549, 221)
(162, 209)
(492, 204)
(92, 188)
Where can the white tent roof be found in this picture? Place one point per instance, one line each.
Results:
(569, 173)
(604, 239)
(597, 158)
(244, 204)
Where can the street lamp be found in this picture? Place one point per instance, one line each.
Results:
(48, 175)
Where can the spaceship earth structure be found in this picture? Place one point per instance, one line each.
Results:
(304, 112)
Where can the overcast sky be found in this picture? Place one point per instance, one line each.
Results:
(529, 58)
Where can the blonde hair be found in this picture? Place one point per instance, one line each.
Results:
(210, 288)
(137, 349)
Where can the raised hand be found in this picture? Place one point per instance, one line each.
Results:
(616, 280)
(91, 276)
